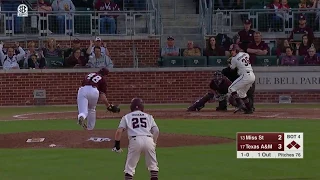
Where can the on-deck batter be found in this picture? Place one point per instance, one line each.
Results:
(240, 86)
(143, 133)
(93, 87)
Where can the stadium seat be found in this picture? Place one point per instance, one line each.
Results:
(172, 61)
(217, 61)
(54, 62)
(181, 51)
(301, 59)
(266, 61)
(195, 61)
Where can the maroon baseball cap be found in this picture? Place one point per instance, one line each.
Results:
(247, 21)
(302, 17)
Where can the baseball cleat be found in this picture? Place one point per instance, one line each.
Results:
(239, 109)
(221, 109)
(248, 111)
(82, 123)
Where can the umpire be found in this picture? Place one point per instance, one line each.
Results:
(232, 75)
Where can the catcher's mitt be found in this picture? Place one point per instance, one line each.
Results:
(114, 109)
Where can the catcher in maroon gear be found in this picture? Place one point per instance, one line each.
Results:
(218, 90)
(93, 88)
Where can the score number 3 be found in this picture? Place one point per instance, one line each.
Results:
(139, 122)
(246, 61)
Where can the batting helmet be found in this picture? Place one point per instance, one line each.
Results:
(103, 71)
(234, 47)
(136, 104)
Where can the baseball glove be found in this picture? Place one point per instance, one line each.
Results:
(114, 109)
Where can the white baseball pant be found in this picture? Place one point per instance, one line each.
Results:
(242, 84)
(87, 100)
(138, 145)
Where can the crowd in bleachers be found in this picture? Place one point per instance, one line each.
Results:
(297, 49)
(52, 55)
(64, 9)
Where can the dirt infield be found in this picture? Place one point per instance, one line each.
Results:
(182, 114)
(97, 139)
(103, 138)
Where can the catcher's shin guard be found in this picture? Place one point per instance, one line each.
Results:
(222, 105)
(199, 104)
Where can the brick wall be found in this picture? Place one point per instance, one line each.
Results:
(121, 51)
(153, 87)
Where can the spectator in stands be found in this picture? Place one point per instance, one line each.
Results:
(36, 63)
(191, 50)
(246, 35)
(52, 49)
(276, 18)
(76, 60)
(10, 60)
(257, 48)
(99, 60)
(76, 45)
(212, 49)
(12, 5)
(170, 49)
(302, 48)
(66, 9)
(289, 59)
(107, 20)
(281, 47)
(302, 29)
(43, 8)
(312, 58)
(32, 51)
(98, 43)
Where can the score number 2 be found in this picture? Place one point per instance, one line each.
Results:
(139, 122)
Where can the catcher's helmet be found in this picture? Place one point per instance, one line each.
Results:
(136, 104)
(103, 71)
(217, 75)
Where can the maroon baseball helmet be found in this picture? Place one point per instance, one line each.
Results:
(234, 47)
(136, 104)
(103, 71)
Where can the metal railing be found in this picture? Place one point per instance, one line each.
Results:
(79, 23)
(268, 21)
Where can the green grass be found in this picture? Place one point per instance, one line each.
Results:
(183, 163)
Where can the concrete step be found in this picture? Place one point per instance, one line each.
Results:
(169, 22)
(181, 30)
(183, 11)
(181, 16)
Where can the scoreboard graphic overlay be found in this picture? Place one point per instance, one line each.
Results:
(270, 145)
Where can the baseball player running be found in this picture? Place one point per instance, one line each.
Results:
(218, 90)
(93, 87)
(143, 133)
(238, 89)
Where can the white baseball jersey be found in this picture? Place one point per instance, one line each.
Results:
(138, 123)
(242, 62)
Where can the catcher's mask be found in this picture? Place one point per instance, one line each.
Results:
(136, 104)
(217, 77)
